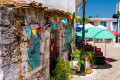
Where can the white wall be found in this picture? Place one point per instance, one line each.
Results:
(66, 5)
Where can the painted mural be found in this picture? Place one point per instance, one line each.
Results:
(34, 50)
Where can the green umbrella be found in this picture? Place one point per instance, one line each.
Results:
(98, 33)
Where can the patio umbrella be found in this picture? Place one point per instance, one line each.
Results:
(114, 33)
(101, 26)
(97, 33)
(87, 25)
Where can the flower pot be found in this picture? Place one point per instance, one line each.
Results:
(74, 71)
(30, 68)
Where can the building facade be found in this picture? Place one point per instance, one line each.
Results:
(17, 60)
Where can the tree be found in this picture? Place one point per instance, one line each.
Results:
(87, 20)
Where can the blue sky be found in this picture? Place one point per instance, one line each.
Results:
(103, 8)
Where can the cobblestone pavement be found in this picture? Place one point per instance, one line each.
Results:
(110, 71)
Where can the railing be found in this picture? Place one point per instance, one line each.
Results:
(5, 1)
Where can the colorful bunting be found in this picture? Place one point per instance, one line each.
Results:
(65, 20)
(69, 18)
(34, 31)
(28, 30)
(75, 12)
(40, 30)
(44, 27)
(82, 6)
(74, 15)
(54, 24)
(58, 22)
(50, 27)
(78, 10)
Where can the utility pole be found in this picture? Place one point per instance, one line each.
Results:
(83, 29)
(83, 36)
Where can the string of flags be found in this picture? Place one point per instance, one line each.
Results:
(53, 26)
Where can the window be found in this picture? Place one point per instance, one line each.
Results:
(67, 41)
(115, 26)
(103, 23)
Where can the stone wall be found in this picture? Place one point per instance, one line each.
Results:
(13, 42)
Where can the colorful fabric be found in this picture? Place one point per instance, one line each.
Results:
(58, 22)
(65, 19)
(28, 30)
(33, 31)
(50, 28)
(69, 18)
(44, 27)
(54, 24)
(78, 10)
(40, 30)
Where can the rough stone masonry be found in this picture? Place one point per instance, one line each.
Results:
(13, 41)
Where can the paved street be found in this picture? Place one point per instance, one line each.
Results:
(110, 71)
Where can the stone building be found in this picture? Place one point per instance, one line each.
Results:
(14, 57)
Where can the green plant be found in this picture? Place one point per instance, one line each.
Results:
(81, 19)
(77, 51)
(62, 70)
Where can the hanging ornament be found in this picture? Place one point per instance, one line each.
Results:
(54, 24)
(69, 18)
(50, 27)
(44, 27)
(65, 20)
(33, 31)
(78, 10)
(40, 30)
(82, 6)
(58, 22)
(74, 15)
(28, 30)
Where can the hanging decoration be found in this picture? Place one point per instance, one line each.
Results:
(82, 6)
(58, 22)
(65, 20)
(44, 27)
(50, 27)
(69, 18)
(54, 24)
(40, 30)
(28, 30)
(74, 15)
(33, 31)
(78, 10)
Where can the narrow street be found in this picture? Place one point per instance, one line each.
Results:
(110, 71)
